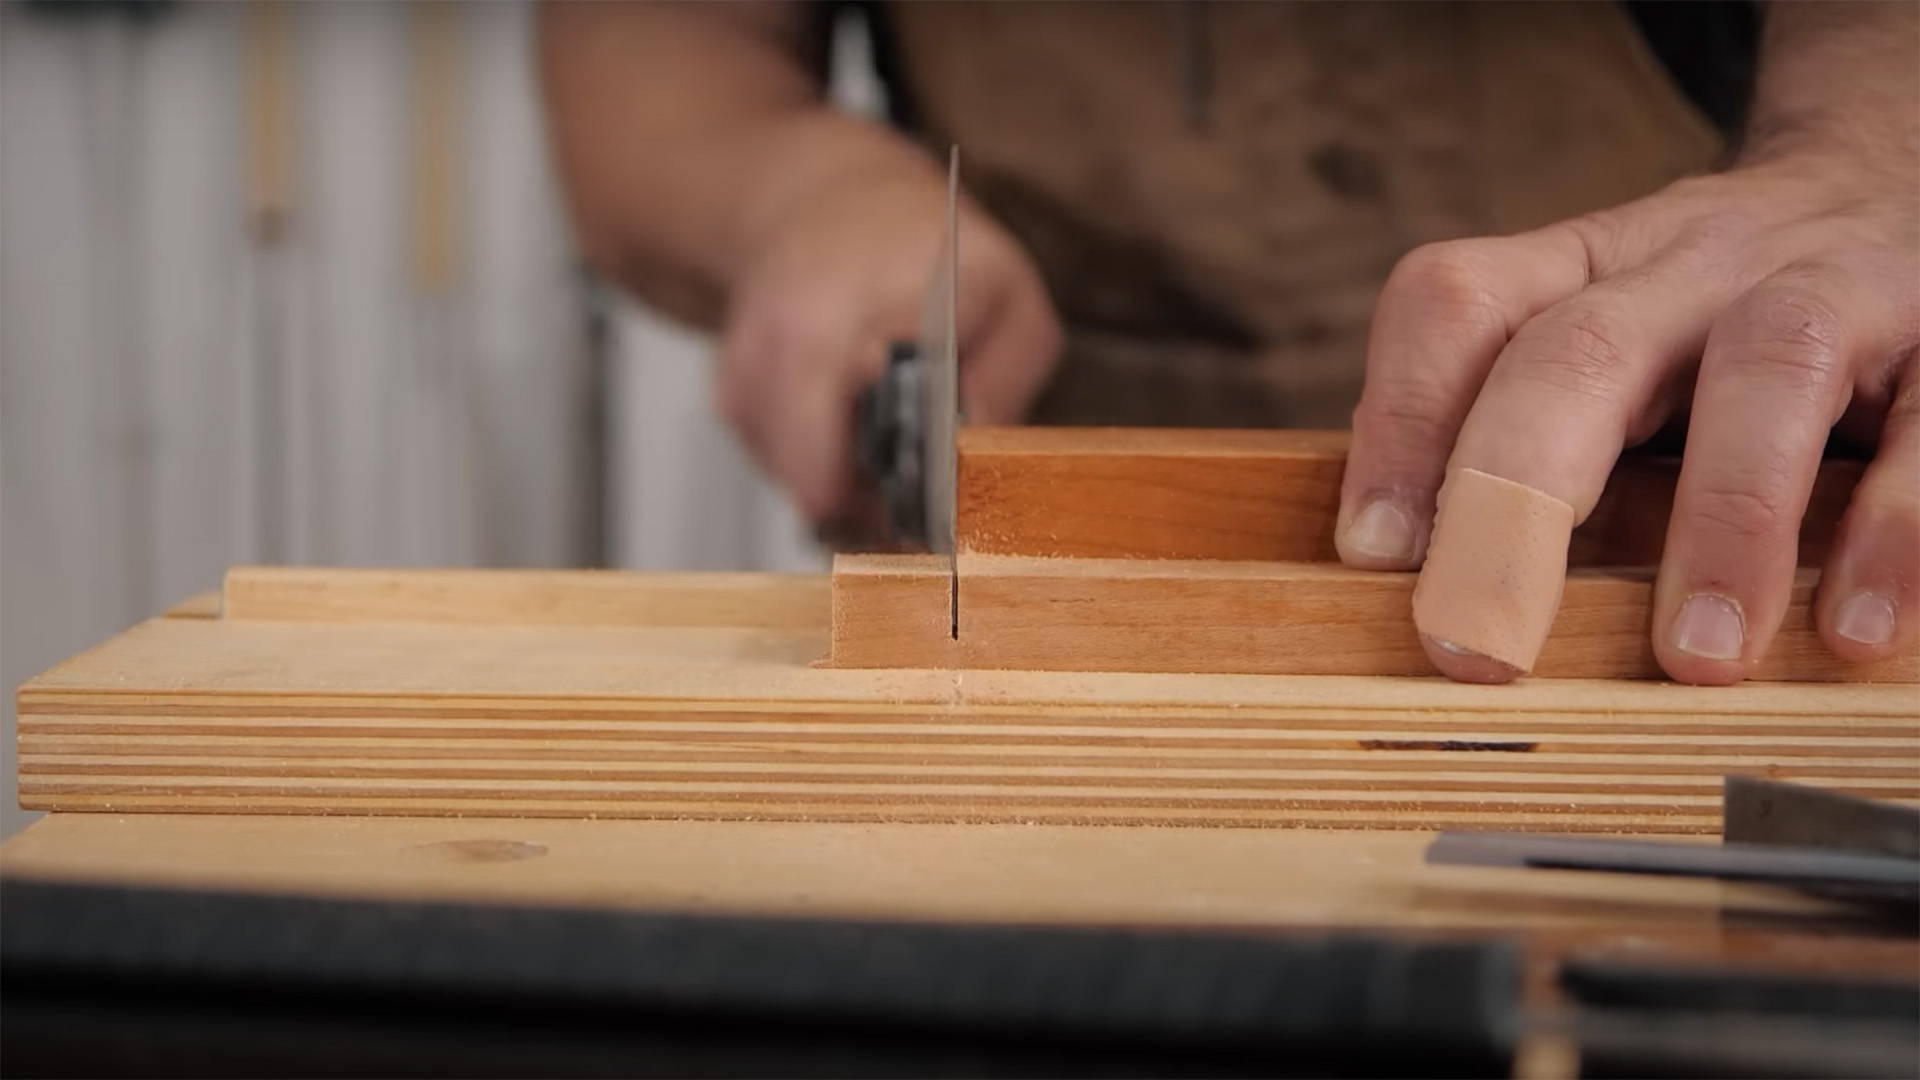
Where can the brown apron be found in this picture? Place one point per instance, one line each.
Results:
(1215, 191)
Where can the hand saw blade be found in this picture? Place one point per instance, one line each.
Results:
(940, 346)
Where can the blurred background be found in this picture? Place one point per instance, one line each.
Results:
(290, 282)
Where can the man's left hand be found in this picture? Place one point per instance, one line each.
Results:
(1768, 306)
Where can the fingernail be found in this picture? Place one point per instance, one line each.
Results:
(1865, 617)
(1471, 665)
(1710, 627)
(1381, 530)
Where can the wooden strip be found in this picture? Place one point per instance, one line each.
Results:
(187, 665)
(1199, 616)
(1011, 693)
(1896, 781)
(1701, 790)
(1149, 492)
(517, 805)
(1624, 768)
(1007, 799)
(54, 719)
(527, 597)
(760, 735)
(1158, 493)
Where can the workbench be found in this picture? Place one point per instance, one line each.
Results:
(700, 743)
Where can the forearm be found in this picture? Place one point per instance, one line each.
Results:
(685, 133)
(1839, 77)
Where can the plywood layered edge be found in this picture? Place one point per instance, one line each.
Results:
(736, 724)
(1214, 616)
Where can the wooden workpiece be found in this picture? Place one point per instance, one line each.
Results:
(679, 742)
(1191, 615)
(572, 694)
(1166, 493)
(416, 715)
(518, 597)
(1195, 551)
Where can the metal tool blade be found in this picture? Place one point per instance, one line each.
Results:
(1882, 877)
(1761, 811)
(940, 348)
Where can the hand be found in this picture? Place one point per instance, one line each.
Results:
(1766, 305)
(845, 274)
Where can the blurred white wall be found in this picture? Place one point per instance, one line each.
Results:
(681, 491)
(317, 304)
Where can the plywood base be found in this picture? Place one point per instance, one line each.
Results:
(1203, 616)
(700, 722)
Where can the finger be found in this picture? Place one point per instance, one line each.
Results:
(1551, 420)
(1011, 349)
(787, 388)
(1443, 316)
(1773, 380)
(1869, 602)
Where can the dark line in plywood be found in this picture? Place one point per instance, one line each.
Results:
(1505, 747)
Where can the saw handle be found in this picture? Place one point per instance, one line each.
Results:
(888, 441)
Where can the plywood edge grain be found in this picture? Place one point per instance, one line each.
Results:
(527, 597)
(1256, 494)
(1206, 616)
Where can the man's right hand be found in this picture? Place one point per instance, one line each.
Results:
(845, 272)
(706, 173)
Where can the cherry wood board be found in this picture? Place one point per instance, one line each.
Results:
(1199, 616)
(412, 716)
(1170, 493)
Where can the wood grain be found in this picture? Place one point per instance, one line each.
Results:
(1191, 615)
(526, 597)
(1164, 493)
(1021, 874)
(1027, 874)
(734, 723)
(1149, 492)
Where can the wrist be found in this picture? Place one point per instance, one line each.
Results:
(1803, 154)
(1837, 86)
(809, 157)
